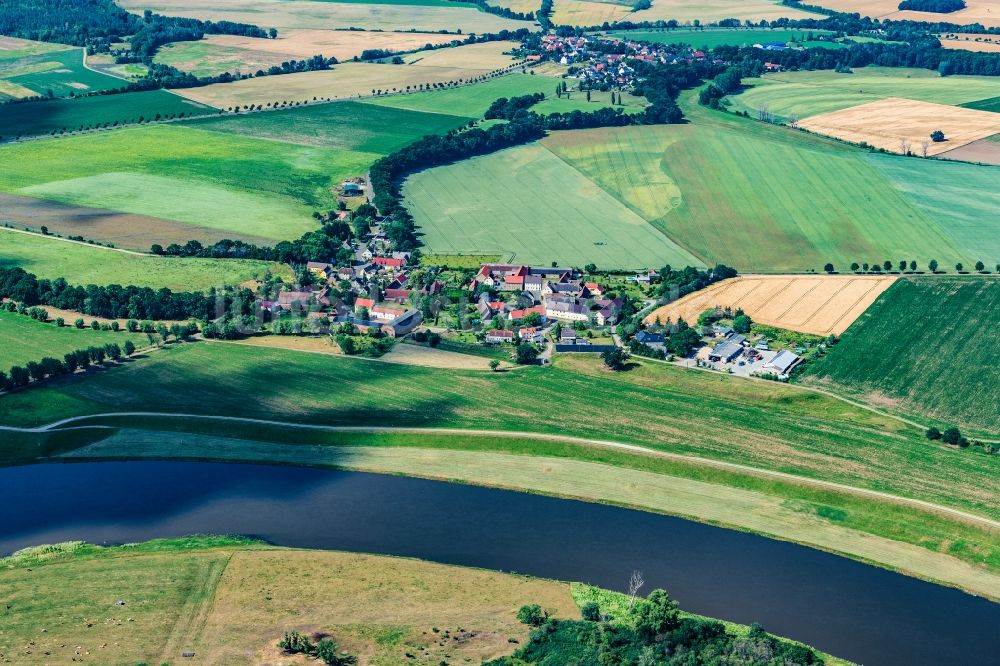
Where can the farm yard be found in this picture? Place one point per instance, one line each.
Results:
(905, 125)
(221, 181)
(230, 53)
(924, 348)
(804, 94)
(59, 72)
(821, 304)
(528, 204)
(85, 264)
(69, 115)
(417, 15)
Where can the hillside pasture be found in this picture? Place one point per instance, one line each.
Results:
(23, 339)
(528, 205)
(348, 126)
(354, 79)
(924, 348)
(84, 264)
(818, 304)
(70, 115)
(59, 73)
(905, 125)
(803, 94)
(576, 100)
(748, 195)
(216, 54)
(984, 12)
(209, 590)
(471, 100)
(123, 230)
(222, 181)
(418, 15)
(713, 37)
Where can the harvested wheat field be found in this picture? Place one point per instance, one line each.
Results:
(986, 12)
(970, 42)
(360, 79)
(818, 304)
(898, 125)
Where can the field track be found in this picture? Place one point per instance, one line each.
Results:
(820, 304)
(69, 424)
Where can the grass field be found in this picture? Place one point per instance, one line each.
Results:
(943, 368)
(577, 101)
(904, 125)
(526, 202)
(346, 126)
(86, 264)
(23, 339)
(60, 73)
(804, 94)
(229, 182)
(820, 305)
(811, 204)
(218, 597)
(47, 117)
(469, 101)
(713, 37)
(228, 53)
(990, 104)
(422, 15)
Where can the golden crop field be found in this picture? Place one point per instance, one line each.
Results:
(986, 12)
(595, 12)
(818, 304)
(355, 79)
(898, 125)
(305, 14)
(970, 42)
(339, 44)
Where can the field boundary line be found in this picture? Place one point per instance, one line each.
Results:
(610, 444)
(84, 243)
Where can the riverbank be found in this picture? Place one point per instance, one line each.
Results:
(230, 600)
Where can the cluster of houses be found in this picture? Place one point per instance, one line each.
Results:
(541, 295)
(596, 68)
(378, 282)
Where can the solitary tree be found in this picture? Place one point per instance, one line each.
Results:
(494, 365)
(854, 267)
(959, 267)
(828, 268)
(887, 265)
(980, 266)
(937, 136)
(656, 615)
(933, 265)
(913, 265)
(615, 358)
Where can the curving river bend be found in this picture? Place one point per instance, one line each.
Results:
(855, 611)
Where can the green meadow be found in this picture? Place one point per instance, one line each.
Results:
(765, 198)
(23, 339)
(713, 37)
(804, 93)
(217, 180)
(926, 347)
(991, 104)
(347, 126)
(85, 264)
(765, 425)
(60, 73)
(576, 100)
(469, 101)
(526, 203)
(70, 115)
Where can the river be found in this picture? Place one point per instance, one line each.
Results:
(859, 612)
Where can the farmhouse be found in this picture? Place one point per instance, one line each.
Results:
(566, 311)
(650, 339)
(384, 313)
(497, 337)
(321, 270)
(725, 352)
(517, 315)
(531, 334)
(783, 362)
(389, 262)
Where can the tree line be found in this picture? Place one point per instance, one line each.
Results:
(80, 359)
(938, 6)
(111, 301)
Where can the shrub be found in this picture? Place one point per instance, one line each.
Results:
(532, 615)
(933, 433)
(591, 611)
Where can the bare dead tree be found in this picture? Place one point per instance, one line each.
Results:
(923, 147)
(764, 113)
(635, 583)
(793, 121)
(904, 146)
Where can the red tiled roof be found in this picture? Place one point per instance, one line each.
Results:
(364, 303)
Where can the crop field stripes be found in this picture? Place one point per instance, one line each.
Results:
(187, 630)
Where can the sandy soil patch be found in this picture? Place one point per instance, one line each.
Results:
(986, 12)
(894, 122)
(970, 42)
(353, 79)
(984, 151)
(339, 44)
(820, 304)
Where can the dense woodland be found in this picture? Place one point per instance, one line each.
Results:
(939, 6)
